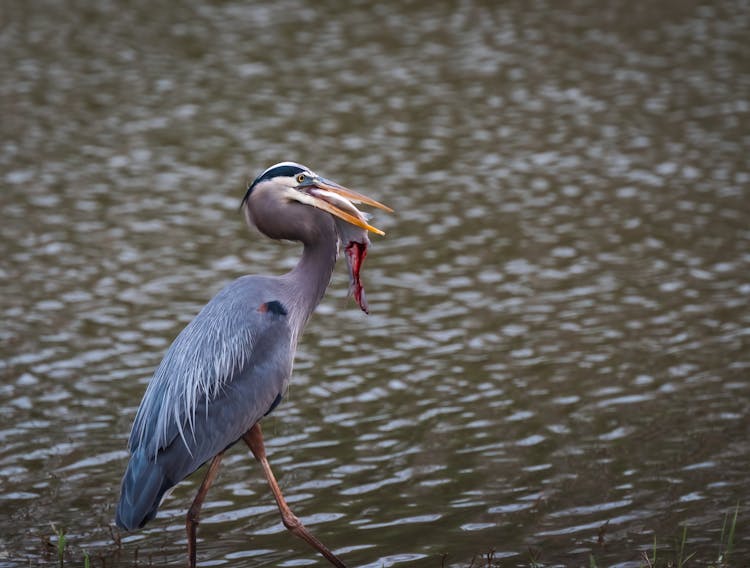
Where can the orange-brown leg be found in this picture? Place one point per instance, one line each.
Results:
(254, 439)
(193, 515)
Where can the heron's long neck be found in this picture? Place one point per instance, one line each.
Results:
(310, 278)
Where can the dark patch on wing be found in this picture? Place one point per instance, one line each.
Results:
(274, 404)
(274, 307)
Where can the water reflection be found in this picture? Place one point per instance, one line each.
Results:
(557, 352)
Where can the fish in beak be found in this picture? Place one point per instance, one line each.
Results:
(340, 202)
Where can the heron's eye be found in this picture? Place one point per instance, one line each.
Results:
(301, 178)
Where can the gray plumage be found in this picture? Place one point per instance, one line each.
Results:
(232, 364)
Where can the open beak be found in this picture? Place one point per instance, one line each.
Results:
(339, 201)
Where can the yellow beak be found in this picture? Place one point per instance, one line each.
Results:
(339, 201)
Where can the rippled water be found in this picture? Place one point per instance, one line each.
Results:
(556, 362)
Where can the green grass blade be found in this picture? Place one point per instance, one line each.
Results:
(730, 538)
(681, 560)
(61, 547)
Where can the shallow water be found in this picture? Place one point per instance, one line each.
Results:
(555, 365)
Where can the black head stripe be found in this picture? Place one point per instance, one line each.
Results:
(284, 169)
(247, 194)
(281, 170)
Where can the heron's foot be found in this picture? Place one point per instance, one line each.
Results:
(295, 526)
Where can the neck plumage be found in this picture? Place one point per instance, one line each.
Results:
(310, 278)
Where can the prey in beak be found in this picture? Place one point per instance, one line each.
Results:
(337, 200)
(340, 202)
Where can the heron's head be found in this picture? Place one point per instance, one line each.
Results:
(272, 201)
(289, 181)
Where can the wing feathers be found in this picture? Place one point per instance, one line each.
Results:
(223, 372)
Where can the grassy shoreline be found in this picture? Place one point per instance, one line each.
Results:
(59, 550)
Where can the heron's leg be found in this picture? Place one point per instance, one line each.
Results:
(254, 439)
(194, 512)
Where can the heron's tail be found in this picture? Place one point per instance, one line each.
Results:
(143, 487)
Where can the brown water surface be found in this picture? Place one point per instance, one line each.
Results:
(557, 357)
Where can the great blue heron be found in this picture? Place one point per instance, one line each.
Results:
(231, 365)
